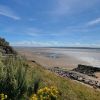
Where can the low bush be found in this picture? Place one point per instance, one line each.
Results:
(13, 78)
(46, 93)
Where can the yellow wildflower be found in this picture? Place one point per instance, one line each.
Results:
(3, 97)
(34, 97)
(46, 93)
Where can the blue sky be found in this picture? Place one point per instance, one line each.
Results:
(50, 22)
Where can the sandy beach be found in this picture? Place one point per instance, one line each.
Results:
(61, 57)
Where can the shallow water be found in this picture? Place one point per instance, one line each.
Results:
(90, 56)
(63, 56)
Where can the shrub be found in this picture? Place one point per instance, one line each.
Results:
(46, 94)
(3, 96)
(5, 47)
(13, 79)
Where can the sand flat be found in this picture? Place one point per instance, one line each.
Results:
(58, 57)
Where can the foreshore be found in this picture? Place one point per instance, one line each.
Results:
(95, 83)
(69, 59)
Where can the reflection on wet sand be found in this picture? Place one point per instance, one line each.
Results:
(68, 58)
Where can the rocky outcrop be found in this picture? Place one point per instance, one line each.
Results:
(88, 70)
(76, 76)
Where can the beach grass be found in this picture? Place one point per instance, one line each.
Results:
(69, 89)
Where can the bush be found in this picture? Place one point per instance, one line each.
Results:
(13, 77)
(3, 96)
(46, 94)
(5, 47)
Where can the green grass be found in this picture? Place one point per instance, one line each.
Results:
(70, 90)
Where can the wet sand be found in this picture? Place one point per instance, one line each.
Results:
(56, 57)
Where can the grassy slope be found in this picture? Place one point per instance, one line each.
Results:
(70, 90)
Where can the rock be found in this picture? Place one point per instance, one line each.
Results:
(86, 81)
(88, 70)
(76, 76)
(92, 82)
(98, 84)
(80, 79)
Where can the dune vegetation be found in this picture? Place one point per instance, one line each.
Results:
(68, 89)
(24, 80)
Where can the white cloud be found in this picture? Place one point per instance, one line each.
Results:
(67, 7)
(6, 11)
(53, 44)
(37, 43)
(94, 22)
(32, 31)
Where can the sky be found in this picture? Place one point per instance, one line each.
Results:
(41, 23)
